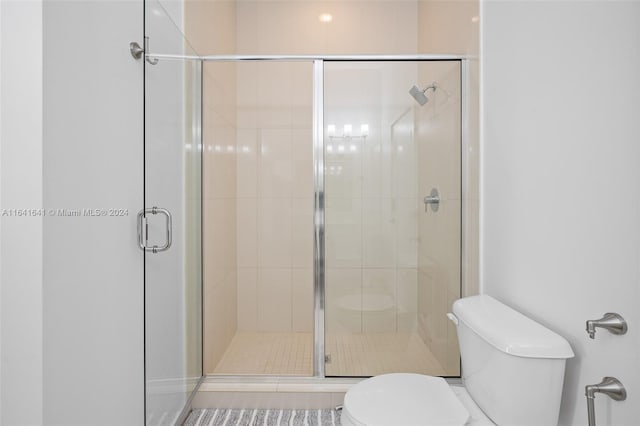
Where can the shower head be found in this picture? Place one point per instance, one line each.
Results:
(419, 95)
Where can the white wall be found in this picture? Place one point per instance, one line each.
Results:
(93, 283)
(561, 183)
(21, 237)
(73, 339)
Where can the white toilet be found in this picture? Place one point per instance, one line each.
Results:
(512, 370)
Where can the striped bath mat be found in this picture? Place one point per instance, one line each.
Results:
(249, 417)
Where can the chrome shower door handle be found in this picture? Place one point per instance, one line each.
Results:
(143, 230)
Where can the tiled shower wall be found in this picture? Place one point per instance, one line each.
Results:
(275, 187)
(210, 27)
(450, 27)
(371, 209)
(220, 210)
(438, 152)
(275, 196)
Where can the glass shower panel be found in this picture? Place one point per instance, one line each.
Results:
(392, 265)
(258, 218)
(172, 218)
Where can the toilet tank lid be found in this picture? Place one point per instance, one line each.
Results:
(508, 330)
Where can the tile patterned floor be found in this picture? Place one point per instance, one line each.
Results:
(279, 354)
(352, 355)
(370, 354)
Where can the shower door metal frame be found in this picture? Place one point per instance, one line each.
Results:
(318, 221)
(318, 168)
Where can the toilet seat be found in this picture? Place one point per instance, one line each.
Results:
(403, 399)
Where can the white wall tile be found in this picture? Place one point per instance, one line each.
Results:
(247, 83)
(407, 211)
(343, 300)
(274, 299)
(343, 168)
(274, 83)
(219, 304)
(302, 300)
(274, 178)
(219, 232)
(277, 170)
(247, 117)
(379, 300)
(247, 299)
(274, 240)
(247, 162)
(403, 155)
(302, 232)
(379, 219)
(302, 163)
(343, 232)
(219, 171)
(247, 231)
(407, 309)
(376, 165)
(301, 85)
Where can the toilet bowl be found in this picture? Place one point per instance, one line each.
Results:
(512, 369)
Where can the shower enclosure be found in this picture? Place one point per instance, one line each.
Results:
(392, 263)
(302, 216)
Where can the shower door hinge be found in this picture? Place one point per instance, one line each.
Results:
(327, 359)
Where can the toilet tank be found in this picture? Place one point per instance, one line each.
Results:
(512, 366)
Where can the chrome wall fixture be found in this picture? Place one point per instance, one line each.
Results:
(610, 321)
(609, 386)
(420, 95)
(137, 51)
(433, 200)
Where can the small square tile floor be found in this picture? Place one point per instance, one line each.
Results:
(352, 355)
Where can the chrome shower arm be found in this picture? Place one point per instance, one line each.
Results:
(433, 87)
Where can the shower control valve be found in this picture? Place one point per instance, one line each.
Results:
(432, 199)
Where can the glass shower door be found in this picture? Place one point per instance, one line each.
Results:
(258, 210)
(392, 262)
(170, 224)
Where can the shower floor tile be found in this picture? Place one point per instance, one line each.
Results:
(352, 355)
(278, 354)
(370, 354)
